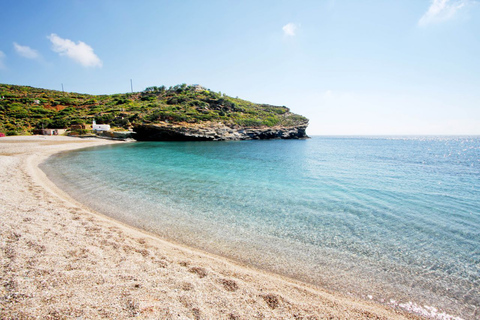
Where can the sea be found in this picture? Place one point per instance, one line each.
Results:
(390, 219)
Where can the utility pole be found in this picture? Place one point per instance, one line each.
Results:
(131, 85)
(62, 89)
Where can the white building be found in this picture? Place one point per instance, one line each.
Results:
(100, 127)
(50, 132)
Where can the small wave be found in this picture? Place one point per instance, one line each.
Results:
(426, 311)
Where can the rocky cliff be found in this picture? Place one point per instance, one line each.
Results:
(214, 132)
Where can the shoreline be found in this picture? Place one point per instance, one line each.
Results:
(62, 259)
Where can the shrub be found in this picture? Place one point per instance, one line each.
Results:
(271, 121)
(249, 122)
(17, 110)
(79, 132)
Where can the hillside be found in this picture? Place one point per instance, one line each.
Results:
(23, 109)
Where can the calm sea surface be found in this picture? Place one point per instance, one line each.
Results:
(396, 220)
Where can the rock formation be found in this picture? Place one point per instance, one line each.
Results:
(214, 132)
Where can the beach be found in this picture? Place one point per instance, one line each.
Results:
(61, 259)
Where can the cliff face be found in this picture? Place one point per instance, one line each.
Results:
(214, 132)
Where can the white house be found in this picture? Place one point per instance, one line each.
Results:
(50, 132)
(100, 127)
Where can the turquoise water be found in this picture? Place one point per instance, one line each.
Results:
(396, 220)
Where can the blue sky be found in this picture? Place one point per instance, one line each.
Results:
(352, 67)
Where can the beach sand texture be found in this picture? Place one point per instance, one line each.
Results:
(59, 259)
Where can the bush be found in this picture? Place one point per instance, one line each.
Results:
(90, 102)
(59, 123)
(17, 110)
(119, 122)
(271, 121)
(177, 100)
(250, 123)
(66, 101)
(79, 132)
(198, 103)
(148, 98)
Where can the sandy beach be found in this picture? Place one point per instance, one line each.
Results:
(60, 259)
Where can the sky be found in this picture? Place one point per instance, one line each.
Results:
(372, 67)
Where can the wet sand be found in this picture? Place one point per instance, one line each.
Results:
(60, 259)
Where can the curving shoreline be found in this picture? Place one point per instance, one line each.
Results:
(61, 259)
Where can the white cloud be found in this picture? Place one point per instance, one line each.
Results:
(26, 51)
(441, 10)
(2, 57)
(79, 52)
(289, 29)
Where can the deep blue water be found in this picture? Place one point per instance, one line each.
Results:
(396, 220)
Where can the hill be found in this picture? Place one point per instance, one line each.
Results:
(196, 112)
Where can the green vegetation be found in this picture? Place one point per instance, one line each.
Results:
(23, 109)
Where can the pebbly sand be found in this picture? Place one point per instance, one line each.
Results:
(60, 259)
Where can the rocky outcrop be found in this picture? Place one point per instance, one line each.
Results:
(214, 132)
